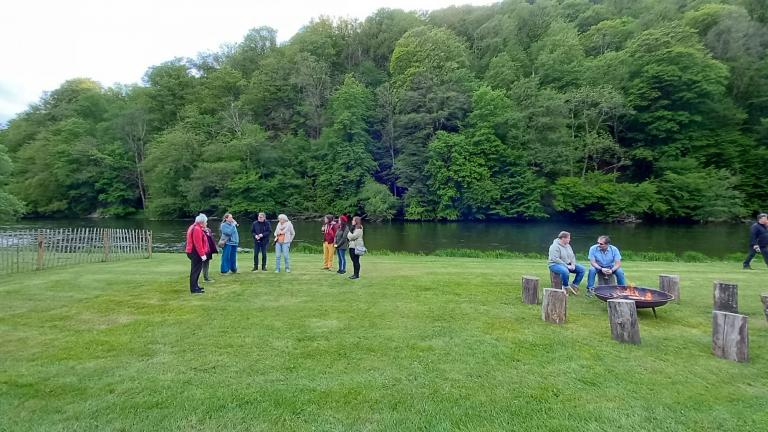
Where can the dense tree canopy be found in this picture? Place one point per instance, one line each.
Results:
(610, 110)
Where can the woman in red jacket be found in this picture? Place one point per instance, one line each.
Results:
(197, 252)
(329, 234)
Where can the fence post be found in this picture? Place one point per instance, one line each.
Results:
(40, 250)
(149, 244)
(106, 244)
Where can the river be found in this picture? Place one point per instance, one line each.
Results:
(714, 240)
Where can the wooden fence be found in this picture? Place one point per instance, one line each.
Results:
(29, 250)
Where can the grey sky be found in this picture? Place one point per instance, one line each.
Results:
(47, 42)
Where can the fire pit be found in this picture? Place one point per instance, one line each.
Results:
(643, 297)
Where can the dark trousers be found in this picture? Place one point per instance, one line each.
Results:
(260, 247)
(194, 271)
(206, 265)
(355, 261)
(753, 252)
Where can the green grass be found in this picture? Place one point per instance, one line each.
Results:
(419, 343)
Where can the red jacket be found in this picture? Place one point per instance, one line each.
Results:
(329, 235)
(196, 237)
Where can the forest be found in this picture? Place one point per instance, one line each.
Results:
(605, 110)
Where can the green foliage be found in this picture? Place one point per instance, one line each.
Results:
(512, 110)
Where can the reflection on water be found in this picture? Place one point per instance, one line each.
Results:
(713, 240)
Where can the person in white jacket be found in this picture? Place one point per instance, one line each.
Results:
(284, 235)
(562, 261)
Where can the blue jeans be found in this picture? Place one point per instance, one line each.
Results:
(282, 249)
(229, 259)
(593, 273)
(563, 272)
(342, 254)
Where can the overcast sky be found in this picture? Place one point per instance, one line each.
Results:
(44, 43)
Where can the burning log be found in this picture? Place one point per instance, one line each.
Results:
(554, 305)
(555, 280)
(764, 299)
(623, 317)
(670, 284)
(730, 338)
(726, 298)
(530, 290)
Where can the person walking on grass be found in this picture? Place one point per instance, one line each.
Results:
(212, 249)
(356, 245)
(260, 230)
(197, 252)
(329, 237)
(341, 243)
(563, 262)
(230, 238)
(758, 240)
(284, 234)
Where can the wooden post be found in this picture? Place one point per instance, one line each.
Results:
(40, 250)
(555, 280)
(623, 317)
(725, 296)
(670, 284)
(764, 299)
(730, 338)
(554, 306)
(149, 244)
(530, 290)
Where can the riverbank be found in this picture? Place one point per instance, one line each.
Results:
(418, 343)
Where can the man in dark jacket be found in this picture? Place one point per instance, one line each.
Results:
(758, 240)
(260, 231)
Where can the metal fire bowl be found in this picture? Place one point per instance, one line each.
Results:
(609, 292)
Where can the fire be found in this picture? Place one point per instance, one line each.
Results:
(632, 294)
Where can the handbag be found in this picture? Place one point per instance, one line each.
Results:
(360, 250)
(223, 240)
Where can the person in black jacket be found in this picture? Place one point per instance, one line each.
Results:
(260, 231)
(212, 249)
(758, 240)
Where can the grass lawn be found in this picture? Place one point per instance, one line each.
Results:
(418, 343)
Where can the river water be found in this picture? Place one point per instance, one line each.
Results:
(714, 240)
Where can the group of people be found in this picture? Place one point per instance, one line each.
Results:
(338, 236)
(604, 260)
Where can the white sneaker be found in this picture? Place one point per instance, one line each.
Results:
(288, 271)
(277, 271)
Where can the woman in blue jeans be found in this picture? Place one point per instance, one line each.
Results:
(562, 261)
(341, 242)
(284, 234)
(229, 255)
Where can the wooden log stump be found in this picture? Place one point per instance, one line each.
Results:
(764, 299)
(604, 279)
(670, 284)
(623, 317)
(554, 279)
(730, 338)
(554, 305)
(725, 297)
(530, 290)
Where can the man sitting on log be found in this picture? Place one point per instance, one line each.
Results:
(605, 259)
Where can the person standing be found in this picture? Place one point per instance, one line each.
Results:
(260, 230)
(604, 258)
(329, 237)
(197, 252)
(231, 239)
(355, 237)
(563, 261)
(284, 235)
(758, 240)
(341, 243)
(212, 249)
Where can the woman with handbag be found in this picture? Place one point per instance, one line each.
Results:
(229, 241)
(356, 245)
(284, 234)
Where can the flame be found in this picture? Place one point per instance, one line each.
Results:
(632, 294)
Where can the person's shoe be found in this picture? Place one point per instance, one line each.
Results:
(338, 271)
(277, 271)
(746, 267)
(354, 277)
(198, 291)
(574, 289)
(590, 292)
(208, 280)
(343, 271)
(255, 269)
(263, 269)
(287, 270)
